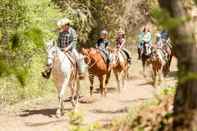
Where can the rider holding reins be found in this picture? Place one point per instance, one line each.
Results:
(120, 44)
(102, 44)
(67, 41)
(144, 39)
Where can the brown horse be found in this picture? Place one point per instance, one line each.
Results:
(167, 47)
(159, 64)
(120, 67)
(97, 67)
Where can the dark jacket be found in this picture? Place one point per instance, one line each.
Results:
(102, 44)
(67, 39)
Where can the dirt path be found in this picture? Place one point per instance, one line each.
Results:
(39, 114)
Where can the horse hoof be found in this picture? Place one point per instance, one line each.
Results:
(75, 110)
(59, 113)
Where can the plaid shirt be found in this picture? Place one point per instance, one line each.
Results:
(67, 39)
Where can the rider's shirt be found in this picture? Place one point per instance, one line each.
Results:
(147, 37)
(164, 35)
(120, 42)
(102, 44)
(67, 39)
(140, 37)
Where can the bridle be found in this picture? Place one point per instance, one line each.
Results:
(89, 63)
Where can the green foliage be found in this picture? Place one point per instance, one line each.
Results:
(36, 36)
(168, 91)
(24, 26)
(164, 19)
(75, 118)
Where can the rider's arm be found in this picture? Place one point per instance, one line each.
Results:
(73, 40)
(107, 44)
(97, 44)
(122, 43)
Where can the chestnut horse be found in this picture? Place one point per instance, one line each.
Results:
(120, 67)
(96, 67)
(159, 65)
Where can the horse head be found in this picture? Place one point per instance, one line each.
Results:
(86, 53)
(147, 49)
(51, 52)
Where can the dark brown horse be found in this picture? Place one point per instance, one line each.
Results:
(145, 55)
(97, 67)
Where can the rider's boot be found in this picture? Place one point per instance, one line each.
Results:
(129, 60)
(47, 72)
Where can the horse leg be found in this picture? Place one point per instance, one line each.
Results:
(161, 75)
(127, 73)
(91, 78)
(101, 79)
(117, 79)
(144, 66)
(104, 85)
(75, 93)
(124, 75)
(60, 109)
(107, 77)
(155, 78)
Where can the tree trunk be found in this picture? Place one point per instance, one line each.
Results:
(185, 102)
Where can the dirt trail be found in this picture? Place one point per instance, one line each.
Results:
(39, 114)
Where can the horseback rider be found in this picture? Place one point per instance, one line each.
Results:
(162, 38)
(163, 42)
(67, 41)
(120, 44)
(140, 42)
(102, 44)
(147, 39)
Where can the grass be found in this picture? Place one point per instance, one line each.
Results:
(126, 122)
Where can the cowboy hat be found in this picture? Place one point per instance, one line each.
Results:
(104, 32)
(121, 31)
(62, 22)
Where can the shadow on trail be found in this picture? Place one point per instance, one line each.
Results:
(172, 74)
(100, 111)
(46, 112)
(135, 100)
(43, 123)
(109, 90)
(146, 83)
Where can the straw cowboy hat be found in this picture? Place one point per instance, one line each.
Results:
(121, 31)
(62, 22)
(104, 32)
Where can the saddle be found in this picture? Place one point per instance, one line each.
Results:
(71, 57)
(164, 54)
(104, 56)
(124, 54)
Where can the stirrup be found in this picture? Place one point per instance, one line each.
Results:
(46, 74)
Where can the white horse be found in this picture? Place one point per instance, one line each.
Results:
(64, 73)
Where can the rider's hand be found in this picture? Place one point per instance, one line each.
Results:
(66, 49)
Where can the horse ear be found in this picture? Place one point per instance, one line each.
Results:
(49, 44)
(54, 43)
